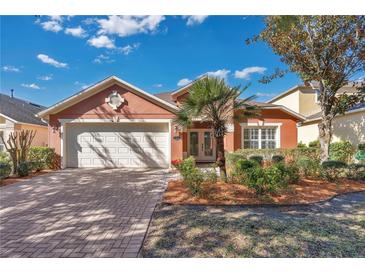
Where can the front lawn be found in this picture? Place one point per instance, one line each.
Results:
(330, 229)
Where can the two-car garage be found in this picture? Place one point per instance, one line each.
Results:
(116, 144)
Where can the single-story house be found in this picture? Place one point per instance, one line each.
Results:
(113, 123)
(303, 99)
(17, 114)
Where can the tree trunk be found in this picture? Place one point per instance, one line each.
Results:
(221, 159)
(325, 135)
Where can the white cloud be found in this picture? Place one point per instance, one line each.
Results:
(195, 19)
(221, 73)
(103, 59)
(45, 77)
(54, 24)
(32, 86)
(77, 32)
(264, 94)
(126, 25)
(157, 85)
(128, 49)
(10, 69)
(102, 41)
(48, 60)
(183, 82)
(246, 72)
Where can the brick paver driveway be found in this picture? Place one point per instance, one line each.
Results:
(79, 213)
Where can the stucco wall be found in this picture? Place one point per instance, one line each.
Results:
(41, 137)
(349, 127)
(288, 132)
(94, 107)
(307, 102)
(291, 101)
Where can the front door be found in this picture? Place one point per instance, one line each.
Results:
(201, 145)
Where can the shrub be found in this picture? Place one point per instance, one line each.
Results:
(308, 166)
(23, 169)
(194, 181)
(292, 173)
(360, 154)
(186, 166)
(256, 179)
(244, 165)
(278, 158)
(290, 154)
(341, 151)
(5, 170)
(332, 170)
(4, 157)
(314, 144)
(270, 179)
(361, 146)
(210, 175)
(42, 157)
(356, 172)
(257, 158)
(301, 145)
(192, 176)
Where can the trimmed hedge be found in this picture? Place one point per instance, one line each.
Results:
(290, 154)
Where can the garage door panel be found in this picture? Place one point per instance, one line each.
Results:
(117, 145)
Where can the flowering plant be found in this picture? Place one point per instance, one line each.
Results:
(176, 162)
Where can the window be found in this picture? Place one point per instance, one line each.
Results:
(261, 137)
(251, 138)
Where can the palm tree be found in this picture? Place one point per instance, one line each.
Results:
(211, 99)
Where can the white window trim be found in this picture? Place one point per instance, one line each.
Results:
(259, 125)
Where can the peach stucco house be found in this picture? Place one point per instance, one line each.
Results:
(114, 123)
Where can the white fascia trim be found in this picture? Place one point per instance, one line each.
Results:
(107, 120)
(256, 124)
(93, 87)
(8, 118)
(283, 93)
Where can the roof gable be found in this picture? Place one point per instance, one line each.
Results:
(98, 87)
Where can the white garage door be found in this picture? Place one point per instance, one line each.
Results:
(117, 145)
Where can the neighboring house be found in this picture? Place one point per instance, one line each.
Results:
(17, 114)
(114, 123)
(304, 100)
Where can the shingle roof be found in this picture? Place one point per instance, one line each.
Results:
(20, 110)
(166, 96)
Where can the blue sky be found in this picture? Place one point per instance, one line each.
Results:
(45, 59)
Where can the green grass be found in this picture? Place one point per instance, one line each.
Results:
(183, 231)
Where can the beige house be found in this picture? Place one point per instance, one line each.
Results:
(304, 100)
(17, 114)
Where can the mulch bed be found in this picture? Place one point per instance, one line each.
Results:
(304, 192)
(15, 179)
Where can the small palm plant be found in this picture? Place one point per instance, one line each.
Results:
(212, 100)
